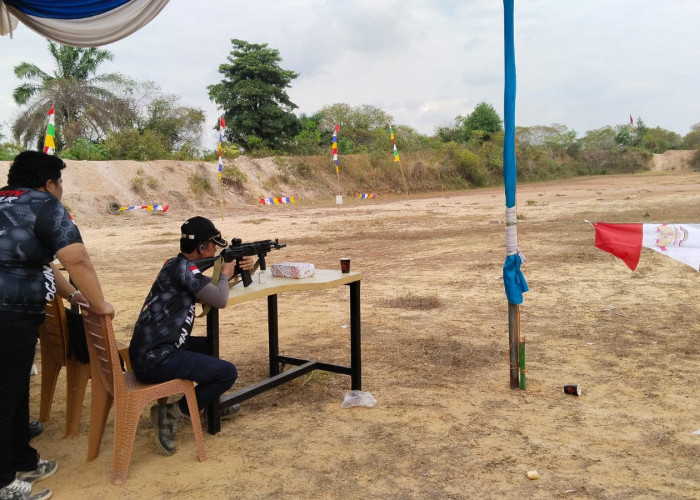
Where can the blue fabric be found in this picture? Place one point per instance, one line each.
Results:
(514, 280)
(509, 169)
(65, 9)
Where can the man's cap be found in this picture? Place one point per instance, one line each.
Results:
(202, 229)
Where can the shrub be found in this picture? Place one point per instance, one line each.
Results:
(83, 149)
(233, 177)
(199, 181)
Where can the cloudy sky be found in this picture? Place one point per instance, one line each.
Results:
(584, 64)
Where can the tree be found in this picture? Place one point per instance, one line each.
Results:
(86, 103)
(252, 94)
(485, 119)
(357, 127)
(692, 138)
(598, 139)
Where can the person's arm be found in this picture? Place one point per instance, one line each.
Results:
(76, 260)
(65, 289)
(214, 295)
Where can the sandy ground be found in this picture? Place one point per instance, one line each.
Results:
(435, 352)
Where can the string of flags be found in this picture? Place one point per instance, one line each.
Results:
(283, 200)
(222, 126)
(334, 147)
(50, 139)
(367, 196)
(393, 141)
(625, 241)
(155, 207)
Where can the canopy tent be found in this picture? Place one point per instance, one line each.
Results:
(80, 23)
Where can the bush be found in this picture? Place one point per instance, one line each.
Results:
(199, 181)
(695, 161)
(233, 177)
(8, 151)
(130, 145)
(83, 149)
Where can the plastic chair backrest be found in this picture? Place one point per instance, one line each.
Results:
(102, 347)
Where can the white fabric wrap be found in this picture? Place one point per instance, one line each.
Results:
(511, 231)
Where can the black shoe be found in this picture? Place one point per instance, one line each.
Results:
(35, 428)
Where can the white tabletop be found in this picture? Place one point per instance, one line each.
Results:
(271, 285)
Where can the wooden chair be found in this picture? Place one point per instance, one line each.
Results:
(53, 340)
(130, 397)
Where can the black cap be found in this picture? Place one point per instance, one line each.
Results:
(202, 229)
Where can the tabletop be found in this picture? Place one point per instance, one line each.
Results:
(271, 285)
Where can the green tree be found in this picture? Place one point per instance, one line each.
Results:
(484, 119)
(253, 95)
(692, 139)
(598, 139)
(362, 128)
(87, 104)
(308, 141)
(658, 140)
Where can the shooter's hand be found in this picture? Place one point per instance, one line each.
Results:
(246, 263)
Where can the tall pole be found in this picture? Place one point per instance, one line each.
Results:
(513, 279)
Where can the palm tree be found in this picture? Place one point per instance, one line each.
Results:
(87, 104)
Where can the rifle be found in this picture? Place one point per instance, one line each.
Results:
(238, 250)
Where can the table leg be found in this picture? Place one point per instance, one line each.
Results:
(213, 410)
(272, 329)
(355, 337)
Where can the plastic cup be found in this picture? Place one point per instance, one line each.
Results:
(573, 389)
(345, 264)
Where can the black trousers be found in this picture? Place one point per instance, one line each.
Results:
(18, 335)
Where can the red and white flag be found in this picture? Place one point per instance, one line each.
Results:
(678, 241)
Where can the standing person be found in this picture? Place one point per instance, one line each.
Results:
(34, 228)
(161, 347)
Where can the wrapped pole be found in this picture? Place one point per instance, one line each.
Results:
(513, 279)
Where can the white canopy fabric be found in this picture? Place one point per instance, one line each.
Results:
(92, 31)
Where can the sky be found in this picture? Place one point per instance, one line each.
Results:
(584, 64)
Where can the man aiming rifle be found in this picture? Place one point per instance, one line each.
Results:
(161, 347)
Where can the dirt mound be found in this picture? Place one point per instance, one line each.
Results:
(678, 160)
(93, 189)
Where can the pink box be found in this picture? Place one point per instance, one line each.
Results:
(293, 270)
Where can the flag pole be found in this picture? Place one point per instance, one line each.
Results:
(513, 279)
(396, 157)
(334, 152)
(222, 126)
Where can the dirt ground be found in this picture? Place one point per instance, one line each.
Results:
(434, 348)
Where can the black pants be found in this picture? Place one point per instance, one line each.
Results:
(18, 335)
(213, 376)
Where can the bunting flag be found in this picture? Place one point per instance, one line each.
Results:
(334, 147)
(277, 201)
(50, 139)
(367, 196)
(155, 207)
(678, 241)
(222, 126)
(393, 141)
